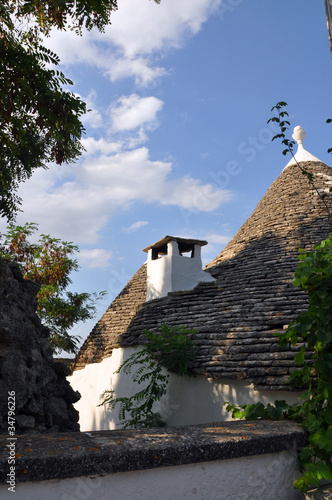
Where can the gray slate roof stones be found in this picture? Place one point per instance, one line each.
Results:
(253, 298)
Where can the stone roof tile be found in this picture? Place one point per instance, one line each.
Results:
(253, 298)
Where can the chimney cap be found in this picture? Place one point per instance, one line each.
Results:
(185, 242)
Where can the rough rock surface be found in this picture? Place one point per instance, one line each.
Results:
(43, 458)
(43, 397)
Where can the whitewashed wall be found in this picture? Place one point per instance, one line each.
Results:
(174, 273)
(260, 477)
(189, 400)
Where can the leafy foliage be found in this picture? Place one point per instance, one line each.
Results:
(312, 330)
(283, 124)
(171, 348)
(74, 14)
(139, 407)
(256, 411)
(39, 121)
(49, 263)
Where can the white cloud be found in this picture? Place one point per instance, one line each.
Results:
(93, 117)
(101, 185)
(130, 176)
(221, 239)
(129, 46)
(188, 193)
(153, 27)
(96, 258)
(135, 226)
(216, 242)
(134, 111)
(75, 202)
(93, 146)
(141, 69)
(132, 141)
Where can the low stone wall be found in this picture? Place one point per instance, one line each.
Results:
(220, 461)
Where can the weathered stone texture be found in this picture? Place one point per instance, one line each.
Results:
(43, 458)
(252, 299)
(108, 331)
(43, 397)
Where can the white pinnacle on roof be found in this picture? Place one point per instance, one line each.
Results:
(301, 154)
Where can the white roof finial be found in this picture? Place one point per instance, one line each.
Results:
(301, 154)
(299, 134)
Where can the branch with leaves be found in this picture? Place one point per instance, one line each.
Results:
(40, 121)
(312, 331)
(170, 348)
(49, 263)
(284, 124)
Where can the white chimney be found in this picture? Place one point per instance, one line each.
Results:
(174, 265)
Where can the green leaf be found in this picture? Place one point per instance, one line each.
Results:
(173, 348)
(277, 136)
(299, 357)
(273, 119)
(49, 263)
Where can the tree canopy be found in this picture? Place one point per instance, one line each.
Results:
(49, 263)
(39, 120)
(62, 14)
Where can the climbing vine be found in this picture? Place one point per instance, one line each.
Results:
(172, 348)
(283, 124)
(312, 331)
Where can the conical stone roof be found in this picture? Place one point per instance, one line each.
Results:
(290, 210)
(107, 333)
(253, 298)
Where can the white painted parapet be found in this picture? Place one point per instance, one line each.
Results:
(169, 270)
(261, 477)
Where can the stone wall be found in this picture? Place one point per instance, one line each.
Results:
(219, 461)
(43, 397)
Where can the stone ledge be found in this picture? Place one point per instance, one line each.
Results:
(41, 457)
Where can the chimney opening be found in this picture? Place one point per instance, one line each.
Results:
(174, 264)
(185, 249)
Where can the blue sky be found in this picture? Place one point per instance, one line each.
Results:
(177, 140)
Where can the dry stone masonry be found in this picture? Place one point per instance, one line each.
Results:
(43, 397)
